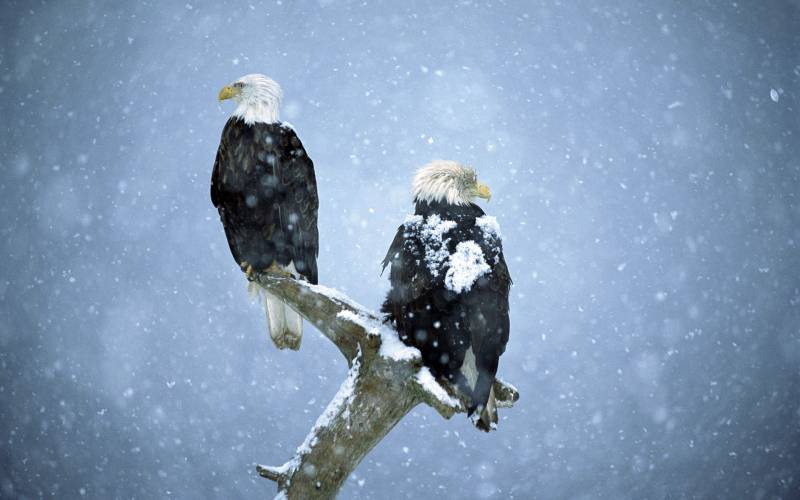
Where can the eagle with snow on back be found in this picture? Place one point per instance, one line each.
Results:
(264, 187)
(450, 284)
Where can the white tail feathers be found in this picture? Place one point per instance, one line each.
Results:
(485, 417)
(285, 325)
(489, 414)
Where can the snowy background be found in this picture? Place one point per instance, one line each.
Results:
(643, 158)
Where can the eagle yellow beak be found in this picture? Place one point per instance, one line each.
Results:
(228, 91)
(484, 192)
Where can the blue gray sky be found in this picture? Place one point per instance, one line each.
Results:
(643, 158)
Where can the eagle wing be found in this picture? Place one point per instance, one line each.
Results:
(223, 199)
(222, 152)
(406, 261)
(299, 212)
(486, 321)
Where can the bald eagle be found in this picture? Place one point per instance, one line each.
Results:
(450, 284)
(264, 187)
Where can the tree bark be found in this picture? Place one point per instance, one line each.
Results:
(385, 381)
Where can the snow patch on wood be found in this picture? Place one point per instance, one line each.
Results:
(428, 382)
(391, 345)
(339, 405)
(507, 384)
(335, 295)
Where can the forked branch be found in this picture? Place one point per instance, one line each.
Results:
(385, 381)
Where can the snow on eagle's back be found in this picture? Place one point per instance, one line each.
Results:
(491, 235)
(465, 266)
(431, 232)
(489, 226)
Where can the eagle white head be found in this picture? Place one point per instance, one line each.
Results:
(447, 181)
(258, 98)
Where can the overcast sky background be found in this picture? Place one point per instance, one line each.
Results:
(643, 158)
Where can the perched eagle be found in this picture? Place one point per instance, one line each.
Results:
(450, 284)
(264, 188)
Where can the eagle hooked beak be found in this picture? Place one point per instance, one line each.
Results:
(483, 191)
(228, 91)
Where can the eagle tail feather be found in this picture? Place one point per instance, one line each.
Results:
(484, 417)
(488, 418)
(285, 325)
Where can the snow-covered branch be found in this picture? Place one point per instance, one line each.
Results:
(385, 381)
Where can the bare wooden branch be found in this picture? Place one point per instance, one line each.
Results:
(277, 474)
(385, 381)
(320, 306)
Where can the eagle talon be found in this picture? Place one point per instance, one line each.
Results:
(274, 269)
(248, 270)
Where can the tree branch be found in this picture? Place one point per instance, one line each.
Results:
(385, 381)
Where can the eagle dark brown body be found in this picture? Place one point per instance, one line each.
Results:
(264, 187)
